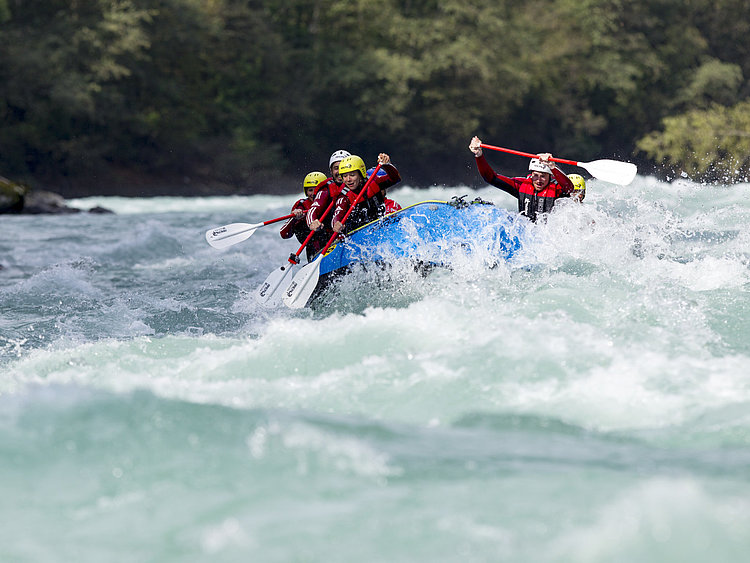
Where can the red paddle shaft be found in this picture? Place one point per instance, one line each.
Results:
(353, 205)
(527, 154)
(278, 219)
(294, 258)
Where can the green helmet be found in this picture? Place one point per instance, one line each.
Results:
(312, 180)
(352, 163)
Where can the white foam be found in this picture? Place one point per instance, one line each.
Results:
(660, 519)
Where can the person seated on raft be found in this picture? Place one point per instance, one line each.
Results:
(372, 205)
(537, 192)
(297, 225)
(326, 192)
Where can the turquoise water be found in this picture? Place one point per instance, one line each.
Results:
(589, 402)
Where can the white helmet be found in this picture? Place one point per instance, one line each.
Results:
(539, 166)
(338, 156)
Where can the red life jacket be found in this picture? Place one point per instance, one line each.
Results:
(530, 202)
(325, 192)
(299, 228)
(366, 210)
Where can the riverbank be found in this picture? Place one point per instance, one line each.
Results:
(136, 183)
(20, 199)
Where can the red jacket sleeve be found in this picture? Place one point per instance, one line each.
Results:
(287, 231)
(391, 178)
(566, 185)
(509, 185)
(318, 207)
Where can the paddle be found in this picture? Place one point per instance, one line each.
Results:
(613, 171)
(223, 237)
(268, 290)
(306, 280)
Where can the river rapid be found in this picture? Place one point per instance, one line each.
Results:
(589, 401)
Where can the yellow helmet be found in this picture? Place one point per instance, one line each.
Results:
(578, 182)
(312, 180)
(352, 163)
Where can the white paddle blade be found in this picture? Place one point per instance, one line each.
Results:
(223, 237)
(303, 284)
(269, 292)
(612, 171)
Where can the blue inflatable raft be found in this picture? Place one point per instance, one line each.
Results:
(429, 233)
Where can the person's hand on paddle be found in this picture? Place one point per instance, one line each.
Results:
(475, 146)
(316, 225)
(384, 158)
(338, 226)
(546, 158)
(298, 213)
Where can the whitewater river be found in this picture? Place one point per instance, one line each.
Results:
(589, 402)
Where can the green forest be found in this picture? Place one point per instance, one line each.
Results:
(247, 96)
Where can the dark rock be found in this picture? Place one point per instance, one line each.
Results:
(43, 202)
(18, 198)
(100, 210)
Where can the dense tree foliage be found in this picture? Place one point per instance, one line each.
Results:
(233, 89)
(713, 143)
